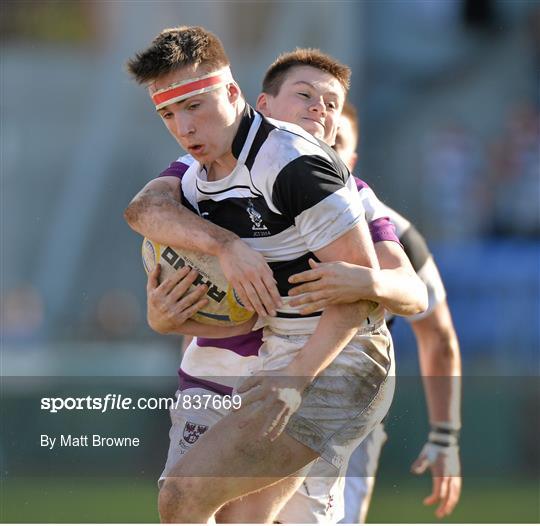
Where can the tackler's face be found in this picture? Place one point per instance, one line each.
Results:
(309, 97)
(346, 142)
(198, 108)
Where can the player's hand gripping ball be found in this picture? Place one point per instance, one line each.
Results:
(224, 307)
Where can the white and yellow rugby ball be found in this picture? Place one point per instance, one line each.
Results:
(224, 307)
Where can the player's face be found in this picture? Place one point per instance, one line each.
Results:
(203, 124)
(309, 97)
(346, 141)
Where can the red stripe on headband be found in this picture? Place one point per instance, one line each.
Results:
(179, 91)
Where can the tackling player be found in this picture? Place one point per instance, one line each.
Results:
(440, 365)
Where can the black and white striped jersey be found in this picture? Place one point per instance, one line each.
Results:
(288, 196)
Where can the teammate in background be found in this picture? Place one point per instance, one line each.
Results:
(224, 134)
(440, 365)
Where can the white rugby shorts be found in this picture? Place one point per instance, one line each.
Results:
(187, 425)
(325, 498)
(347, 400)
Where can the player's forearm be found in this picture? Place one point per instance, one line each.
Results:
(338, 323)
(401, 292)
(161, 217)
(337, 326)
(440, 364)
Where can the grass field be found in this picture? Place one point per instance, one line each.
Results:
(64, 500)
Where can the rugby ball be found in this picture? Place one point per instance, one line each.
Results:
(224, 307)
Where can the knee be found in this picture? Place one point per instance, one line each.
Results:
(176, 501)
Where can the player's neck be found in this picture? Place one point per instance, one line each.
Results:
(226, 163)
(221, 167)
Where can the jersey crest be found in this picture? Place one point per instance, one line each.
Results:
(257, 224)
(193, 431)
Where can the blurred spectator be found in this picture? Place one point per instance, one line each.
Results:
(118, 313)
(515, 174)
(22, 311)
(452, 162)
(533, 32)
(479, 14)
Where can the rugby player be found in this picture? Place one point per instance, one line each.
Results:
(236, 148)
(439, 357)
(315, 501)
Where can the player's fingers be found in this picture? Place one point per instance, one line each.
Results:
(272, 420)
(183, 283)
(186, 300)
(315, 306)
(420, 465)
(311, 286)
(254, 299)
(265, 297)
(244, 298)
(248, 383)
(251, 396)
(452, 498)
(306, 276)
(443, 497)
(190, 299)
(271, 286)
(192, 310)
(281, 423)
(435, 492)
(307, 298)
(153, 278)
(168, 284)
(313, 263)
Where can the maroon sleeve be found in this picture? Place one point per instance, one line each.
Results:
(175, 169)
(359, 183)
(382, 229)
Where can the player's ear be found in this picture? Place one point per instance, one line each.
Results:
(233, 92)
(353, 160)
(262, 104)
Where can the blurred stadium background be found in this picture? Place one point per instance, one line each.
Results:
(448, 93)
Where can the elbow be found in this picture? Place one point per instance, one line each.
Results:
(422, 300)
(419, 300)
(349, 316)
(159, 328)
(131, 213)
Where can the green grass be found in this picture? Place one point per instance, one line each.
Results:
(64, 500)
(482, 501)
(78, 500)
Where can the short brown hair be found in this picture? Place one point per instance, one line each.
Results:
(275, 74)
(176, 48)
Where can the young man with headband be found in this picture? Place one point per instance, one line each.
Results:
(243, 159)
(307, 71)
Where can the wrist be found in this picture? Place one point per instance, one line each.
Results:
(375, 289)
(296, 370)
(444, 434)
(224, 244)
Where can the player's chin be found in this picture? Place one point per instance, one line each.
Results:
(316, 130)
